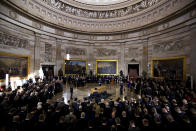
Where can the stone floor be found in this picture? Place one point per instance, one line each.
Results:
(85, 91)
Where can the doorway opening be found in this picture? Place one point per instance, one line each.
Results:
(133, 70)
(48, 71)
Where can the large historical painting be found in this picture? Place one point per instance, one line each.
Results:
(75, 67)
(170, 68)
(14, 65)
(107, 67)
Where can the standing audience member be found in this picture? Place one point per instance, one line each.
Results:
(121, 88)
(71, 92)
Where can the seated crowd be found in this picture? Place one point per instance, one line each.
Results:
(160, 105)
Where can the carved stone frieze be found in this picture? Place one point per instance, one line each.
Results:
(168, 46)
(75, 51)
(13, 41)
(101, 52)
(59, 32)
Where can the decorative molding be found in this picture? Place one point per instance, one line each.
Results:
(118, 5)
(59, 32)
(193, 13)
(100, 2)
(133, 60)
(13, 14)
(141, 5)
(75, 36)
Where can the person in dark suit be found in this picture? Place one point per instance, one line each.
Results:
(60, 73)
(71, 91)
(121, 88)
(100, 81)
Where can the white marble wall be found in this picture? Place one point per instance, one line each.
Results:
(133, 51)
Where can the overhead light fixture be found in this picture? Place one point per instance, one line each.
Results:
(68, 57)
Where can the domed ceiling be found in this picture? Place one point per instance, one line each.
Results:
(101, 2)
(101, 16)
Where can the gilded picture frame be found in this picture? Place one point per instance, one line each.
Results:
(169, 67)
(74, 66)
(107, 67)
(15, 65)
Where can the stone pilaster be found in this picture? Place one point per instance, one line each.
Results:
(122, 59)
(59, 58)
(91, 59)
(145, 55)
(37, 53)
